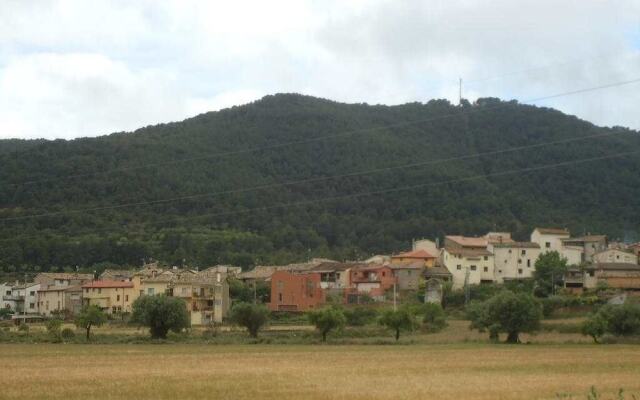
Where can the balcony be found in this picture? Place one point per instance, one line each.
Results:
(12, 298)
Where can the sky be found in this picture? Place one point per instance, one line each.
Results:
(77, 68)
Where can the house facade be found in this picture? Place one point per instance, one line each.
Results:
(589, 245)
(206, 294)
(111, 296)
(477, 263)
(23, 298)
(46, 279)
(549, 239)
(408, 275)
(514, 260)
(615, 256)
(296, 291)
(427, 259)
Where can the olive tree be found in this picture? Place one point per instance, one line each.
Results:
(160, 314)
(90, 316)
(397, 320)
(327, 319)
(506, 312)
(251, 316)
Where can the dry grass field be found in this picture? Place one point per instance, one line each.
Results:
(450, 371)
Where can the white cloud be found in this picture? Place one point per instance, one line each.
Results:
(72, 68)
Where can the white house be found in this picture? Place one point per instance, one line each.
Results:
(477, 263)
(549, 239)
(514, 260)
(5, 290)
(23, 298)
(615, 256)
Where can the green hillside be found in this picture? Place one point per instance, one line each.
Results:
(276, 140)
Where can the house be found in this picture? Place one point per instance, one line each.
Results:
(465, 242)
(615, 256)
(437, 273)
(46, 279)
(206, 294)
(549, 239)
(5, 290)
(498, 237)
(229, 270)
(264, 272)
(334, 276)
(514, 260)
(422, 256)
(635, 248)
(408, 275)
(623, 276)
(23, 298)
(373, 280)
(59, 299)
(470, 265)
(378, 259)
(296, 291)
(116, 275)
(589, 245)
(427, 245)
(111, 296)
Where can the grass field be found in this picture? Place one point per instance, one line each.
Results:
(450, 371)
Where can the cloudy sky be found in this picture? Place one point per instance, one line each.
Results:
(74, 68)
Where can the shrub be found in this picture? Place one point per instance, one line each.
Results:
(23, 328)
(67, 334)
(595, 326)
(161, 314)
(506, 312)
(618, 320)
(551, 304)
(53, 328)
(251, 316)
(89, 316)
(360, 316)
(434, 317)
(327, 319)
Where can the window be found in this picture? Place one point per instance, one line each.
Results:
(519, 270)
(86, 291)
(47, 305)
(118, 298)
(486, 258)
(547, 245)
(32, 305)
(519, 261)
(458, 267)
(473, 267)
(126, 297)
(524, 252)
(486, 269)
(184, 291)
(280, 284)
(384, 273)
(99, 290)
(8, 292)
(509, 251)
(32, 293)
(409, 272)
(150, 291)
(529, 263)
(499, 271)
(280, 297)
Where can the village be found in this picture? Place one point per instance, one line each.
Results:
(424, 270)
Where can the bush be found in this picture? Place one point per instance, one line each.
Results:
(618, 320)
(250, 316)
(506, 312)
(327, 319)
(161, 314)
(67, 334)
(596, 327)
(360, 316)
(53, 328)
(402, 319)
(90, 315)
(551, 305)
(434, 317)
(23, 328)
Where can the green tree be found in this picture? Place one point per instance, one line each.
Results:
(90, 316)
(360, 316)
(620, 320)
(549, 273)
(434, 317)
(160, 314)
(595, 326)
(402, 319)
(506, 312)
(327, 319)
(251, 316)
(53, 327)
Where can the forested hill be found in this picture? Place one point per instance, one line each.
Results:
(215, 162)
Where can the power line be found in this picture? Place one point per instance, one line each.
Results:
(313, 180)
(323, 138)
(378, 192)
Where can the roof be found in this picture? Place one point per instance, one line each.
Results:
(588, 238)
(436, 271)
(53, 288)
(414, 254)
(408, 265)
(65, 275)
(524, 245)
(25, 285)
(265, 271)
(370, 267)
(333, 266)
(466, 241)
(125, 273)
(552, 231)
(615, 267)
(625, 251)
(108, 284)
(469, 252)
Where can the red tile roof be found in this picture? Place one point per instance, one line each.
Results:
(108, 284)
(414, 254)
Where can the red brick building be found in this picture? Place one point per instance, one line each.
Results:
(291, 291)
(373, 280)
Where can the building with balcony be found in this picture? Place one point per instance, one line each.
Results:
(111, 296)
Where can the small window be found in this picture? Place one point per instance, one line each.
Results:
(99, 290)
(519, 261)
(519, 270)
(499, 271)
(524, 252)
(486, 269)
(384, 273)
(509, 251)
(118, 298)
(32, 293)
(473, 267)
(126, 297)
(150, 291)
(486, 258)
(409, 272)
(458, 267)
(280, 297)
(280, 284)
(32, 305)
(547, 245)
(529, 263)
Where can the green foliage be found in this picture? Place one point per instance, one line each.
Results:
(360, 316)
(90, 316)
(160, 314)
(551, 304)
(5, 313)
(434, 318)
(220, 229)
(251, 316)
(67, 334)
(595, 326)
(618, 320)
(506, 312)
(401, 319)
(550, 270)
(53, 328)
(23, 328)
(247, 292)
(327, 319)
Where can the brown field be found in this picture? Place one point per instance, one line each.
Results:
(449, 371)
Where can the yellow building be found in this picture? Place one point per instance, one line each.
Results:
(111, 296)
(412, 257)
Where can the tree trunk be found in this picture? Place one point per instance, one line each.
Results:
(397, 334)
(513, 337)
(324, 336)
(88, 331)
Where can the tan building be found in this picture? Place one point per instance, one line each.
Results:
(514, 260)
(615, 256)
(589, 245)
(421, 256)
(408, 275)
(59, 299)
(623, 276)
(111, 296)
(206, 294)
(46, 279)
(477, 263)
(549, 239)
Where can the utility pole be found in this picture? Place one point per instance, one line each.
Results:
(467, 292)
(460, 91)
(395, 306)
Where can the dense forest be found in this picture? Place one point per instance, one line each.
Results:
(290, 177)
